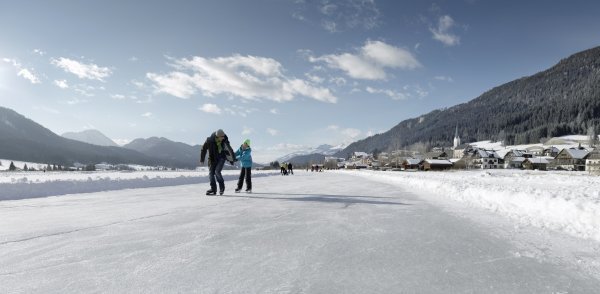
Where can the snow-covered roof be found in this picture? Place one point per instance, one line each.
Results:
(438, 161)
(413, 161)
(538, 160)
(576, 153)
(360, 154)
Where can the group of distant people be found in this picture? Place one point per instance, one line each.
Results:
(286, 168)
(219, 151)
(315, 168)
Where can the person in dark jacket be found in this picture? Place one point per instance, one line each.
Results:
(290, 168)
(244, 155)
(219, 150)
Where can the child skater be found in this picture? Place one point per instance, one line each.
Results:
(244, 155)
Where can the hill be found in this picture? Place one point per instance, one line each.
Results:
(181, 154)
(564, 99)
(26, 140)
(91, 137)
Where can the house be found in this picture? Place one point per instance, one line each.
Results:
(535, 150)
(437, 164)
(514, 158)
(412, 164)
(571, 159)
(515, 162)
(355, 165)
(592, 163)
(436, 155)
(459, 151)
(535, 163)
(484, 159)
(552, 151)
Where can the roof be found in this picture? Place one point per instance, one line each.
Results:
(413, 161)
(538, 160)
(576, 153)
(438, 161)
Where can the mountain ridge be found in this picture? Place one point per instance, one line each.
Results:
(563, 99)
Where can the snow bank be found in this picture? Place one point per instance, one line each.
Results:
(565, 201)
(22, 185)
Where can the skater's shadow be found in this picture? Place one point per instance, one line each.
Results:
(344, 199)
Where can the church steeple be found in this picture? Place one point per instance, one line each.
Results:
(456, 137)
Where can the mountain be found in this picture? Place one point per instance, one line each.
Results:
(323, 150)
(182, 154)
(25, 140)
(90, 137)
(564, 99)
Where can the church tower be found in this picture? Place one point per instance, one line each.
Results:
(456, 138)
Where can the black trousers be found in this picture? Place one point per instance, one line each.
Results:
(245, 172)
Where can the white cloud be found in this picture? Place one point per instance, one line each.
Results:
(148, 114)
(211, 108)
(83, 71)
(247, 130)
(390, 93)
(287, 147)
(272, 132)
(23, 72)
(61, 84)
(442, 34)
(444, 78)
(351, 133)
(333, 127)
(28, 75)
(274, 111)
(133, 59)
(338, 81)
(339, 16)
(315, 79)
(39, 52)
(248, 77)
(118, 96)
(75, 101)
(371, 60)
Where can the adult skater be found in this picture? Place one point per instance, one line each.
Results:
(244, 155)
(219, 150)
(290, 168)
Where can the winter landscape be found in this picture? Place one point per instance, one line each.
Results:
(328, 232)
(292, 146)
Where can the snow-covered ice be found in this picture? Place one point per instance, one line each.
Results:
(21, 185)
(565, 201)
(327, 232)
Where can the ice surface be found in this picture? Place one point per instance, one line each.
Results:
(307, 233)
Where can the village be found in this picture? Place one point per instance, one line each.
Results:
(570, 153)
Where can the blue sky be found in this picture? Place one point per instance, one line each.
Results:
(288, 74)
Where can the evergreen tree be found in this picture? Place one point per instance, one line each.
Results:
(25, 167)
(12, 167)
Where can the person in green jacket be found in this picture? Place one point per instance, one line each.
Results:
(244, 155)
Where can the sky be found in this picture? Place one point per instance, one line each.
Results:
(287, 74)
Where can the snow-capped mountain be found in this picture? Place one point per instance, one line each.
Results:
(91, 137)
(324, 149)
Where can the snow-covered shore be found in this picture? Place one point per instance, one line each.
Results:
(22, 185)
(565, 201)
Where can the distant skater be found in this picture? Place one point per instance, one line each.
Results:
(290, 168)
(219, 150)
(244, 155)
